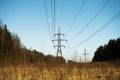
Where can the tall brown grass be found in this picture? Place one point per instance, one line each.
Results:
(88, 71)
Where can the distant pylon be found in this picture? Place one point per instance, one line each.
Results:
(85, 55)
(59, 40)
(75, 56)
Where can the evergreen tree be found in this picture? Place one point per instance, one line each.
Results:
(108, 52)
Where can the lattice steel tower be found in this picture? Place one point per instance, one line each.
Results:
(85, 55)
(59, 42)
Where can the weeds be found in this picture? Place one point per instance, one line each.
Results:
(66, 72)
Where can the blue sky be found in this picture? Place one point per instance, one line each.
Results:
(27, 18)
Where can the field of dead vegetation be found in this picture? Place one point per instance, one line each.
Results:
(88, 71)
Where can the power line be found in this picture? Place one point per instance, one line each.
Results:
(51, 1)
(76, 17)
(46, 14)
(103, 27)
(91, 20)
(69, 46)
(54, 15)
(67, 43)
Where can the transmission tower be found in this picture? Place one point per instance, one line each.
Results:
(85, 55)
(59, 40)
(75, 56)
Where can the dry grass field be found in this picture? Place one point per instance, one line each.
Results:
(88, 71)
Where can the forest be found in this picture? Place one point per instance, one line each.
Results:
(13, 52)
(108, 52)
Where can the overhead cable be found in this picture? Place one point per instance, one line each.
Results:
(103, 27)
(84, 28)
(76, 17)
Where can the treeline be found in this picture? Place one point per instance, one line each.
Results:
(108, 52)
(13, 52)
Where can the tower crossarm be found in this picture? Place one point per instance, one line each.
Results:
(59, 45)
(59, 34)
(59, 39)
